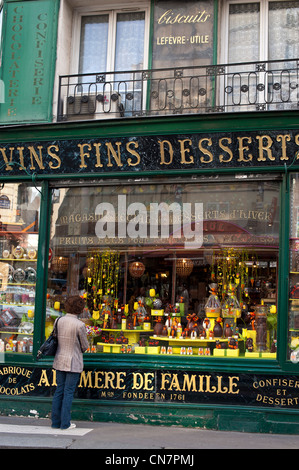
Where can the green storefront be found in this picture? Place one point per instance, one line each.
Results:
(179, 231)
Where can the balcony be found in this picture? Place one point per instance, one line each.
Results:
(211, 89)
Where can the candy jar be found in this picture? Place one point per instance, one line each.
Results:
(119, 316)
(261, 327)
(231, 307)
(157, 304)
(213, 305)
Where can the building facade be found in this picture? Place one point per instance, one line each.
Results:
(149, 164)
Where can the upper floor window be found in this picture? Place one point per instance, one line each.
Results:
(112, 40)
(262, 30)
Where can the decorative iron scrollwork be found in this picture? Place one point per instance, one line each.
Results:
(260, 67)
(100, 78)
(228, 89)
(244, 88)
(255, 86)
(260, 107)
(178, 73)
(114, 96)
(215, 70)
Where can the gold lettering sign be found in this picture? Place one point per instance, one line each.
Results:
(181, 32)
(172, 18)
(14, 374)
(170, 386)
(149, 153)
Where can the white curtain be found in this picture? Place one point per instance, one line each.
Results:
(93, 44)
(283, 30)
(129, 41)
(244, 31)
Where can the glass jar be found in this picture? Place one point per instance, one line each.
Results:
(213, 305)
(261, 312)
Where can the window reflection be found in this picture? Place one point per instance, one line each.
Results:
(126, 249)
(19, 225)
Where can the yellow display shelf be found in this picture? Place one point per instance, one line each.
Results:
(110, 347)
(26, 260)
(191, 342)
(132, 335)
(226, 352)
(116, 348)
(15, 333)
(261, 355)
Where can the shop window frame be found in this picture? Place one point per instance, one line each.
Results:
(21, 358)
(278, 365)
(283, 325)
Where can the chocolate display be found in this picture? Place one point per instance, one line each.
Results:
(149, 324)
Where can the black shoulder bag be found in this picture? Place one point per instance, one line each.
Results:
(49, 347)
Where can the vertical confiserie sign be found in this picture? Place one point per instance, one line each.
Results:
(29, 43)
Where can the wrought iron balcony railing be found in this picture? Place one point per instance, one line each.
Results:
(248, 86)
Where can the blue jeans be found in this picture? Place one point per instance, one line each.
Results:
(63, 398)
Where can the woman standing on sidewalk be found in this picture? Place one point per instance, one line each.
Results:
(68, 361)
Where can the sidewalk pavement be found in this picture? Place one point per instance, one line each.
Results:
(36, 433)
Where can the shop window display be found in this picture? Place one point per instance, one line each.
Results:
(19, 225)
(293, 340)
(156, 279)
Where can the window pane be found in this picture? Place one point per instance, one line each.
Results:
(124, 249)
(19, 215)
(283, 30)
(293, 339)
(129, 41)
(93, 44)
(243, 34)
(129, 54)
